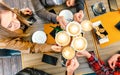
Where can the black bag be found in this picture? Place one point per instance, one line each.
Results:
(31, 71)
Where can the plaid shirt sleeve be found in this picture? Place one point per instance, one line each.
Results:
(98, 66)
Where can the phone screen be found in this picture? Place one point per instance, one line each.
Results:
(49, 59)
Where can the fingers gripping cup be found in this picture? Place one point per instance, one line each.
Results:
(79, 43)
(73, 28)
(62, 38)
(68, 52)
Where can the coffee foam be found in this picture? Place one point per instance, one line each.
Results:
(62, 38)
(79, 43)
(68, 52)
(73, 28)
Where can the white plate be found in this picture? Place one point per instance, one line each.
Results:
(39, 37)
(68, 15)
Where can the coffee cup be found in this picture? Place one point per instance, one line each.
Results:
(62, 38)
(86, 25)
(73, 28)
(68, 52)
(79, 43)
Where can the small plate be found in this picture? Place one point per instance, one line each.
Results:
(68, 15)
(39, 37)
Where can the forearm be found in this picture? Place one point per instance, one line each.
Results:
(26, 46)
(42, 12)
(98, 65)
(69, 73)
(79, 5)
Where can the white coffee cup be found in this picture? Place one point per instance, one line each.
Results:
(62, 38)
(73, 28)
(68, 52)
(79, 43)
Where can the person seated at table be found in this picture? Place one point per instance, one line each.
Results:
(13, 31)
(40, 5)
(99, 66)
(31, 71)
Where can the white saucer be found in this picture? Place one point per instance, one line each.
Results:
(39, 37)
(68, 15)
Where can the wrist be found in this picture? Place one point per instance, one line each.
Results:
(69, 73)
(80, 11)
(118, 55)
(87, 54)
(57, 18)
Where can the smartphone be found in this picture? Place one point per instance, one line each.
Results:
(118, 25)
(52, 11)
(63, 61)
(49, 59)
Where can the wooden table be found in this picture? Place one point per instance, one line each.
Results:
(34, 60)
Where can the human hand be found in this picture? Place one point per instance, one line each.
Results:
(56, 48)
(72, 65)
(78, 16)
(112, 61)
(70, 3)
(61, 21)
(26, 11)
(1, 0)
(83, 53)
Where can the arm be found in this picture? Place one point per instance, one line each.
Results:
(78, 16)
(79, 5)
(72, 65)
(97, 65)
(42, 12)
(27, 47)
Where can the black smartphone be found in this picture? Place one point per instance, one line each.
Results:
(63, 61)
(52, 11)
(118, 25)
(49, 59)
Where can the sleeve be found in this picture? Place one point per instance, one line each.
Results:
(79, 5)
(99, 66)
(42, 12)
(26, 46)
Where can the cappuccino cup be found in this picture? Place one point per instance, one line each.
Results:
(73, 28)
(79, 43)
(62, 38)
(68, 52)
